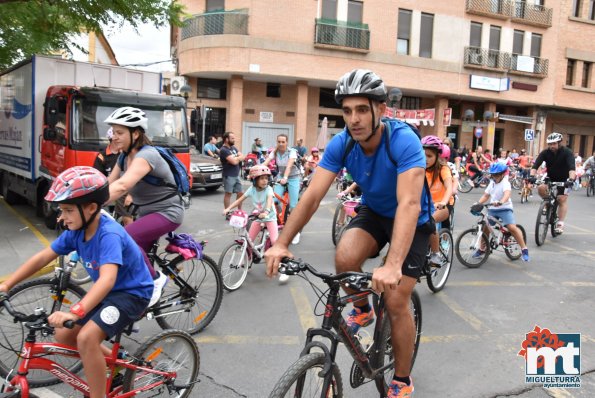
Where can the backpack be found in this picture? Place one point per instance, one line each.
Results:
(178, 171)
(351, 143)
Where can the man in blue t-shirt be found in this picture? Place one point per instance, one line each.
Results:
(395, 209)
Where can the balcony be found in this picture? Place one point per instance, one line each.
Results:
(481, 58)
(342, 35)
(532, 14)
(517, 10)
(233, 22)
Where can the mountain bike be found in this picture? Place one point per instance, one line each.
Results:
(526, 191)
(316, 373)
(344, 213)
(474, 245)
(547, 215)
(166, 364)
(237, 258)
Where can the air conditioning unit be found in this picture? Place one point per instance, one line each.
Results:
(176, 84)
(475, 58)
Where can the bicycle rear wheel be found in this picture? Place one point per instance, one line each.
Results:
(339, 222)
(383, 352)
(511, 247)
(465, 185)
(234, 263)
(193, 307)
(542, 223)
(439, 274)
(26, 297)
(468, 248)
(169, 351)
(302, 379)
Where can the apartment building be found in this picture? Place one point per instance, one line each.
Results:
(466, 68)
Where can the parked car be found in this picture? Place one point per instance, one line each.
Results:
(206, 171)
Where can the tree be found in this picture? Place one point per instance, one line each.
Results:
(29, 27)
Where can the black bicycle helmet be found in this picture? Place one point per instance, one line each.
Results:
(360, 83)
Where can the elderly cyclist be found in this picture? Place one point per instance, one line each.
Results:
(559, 161)
(388, 163)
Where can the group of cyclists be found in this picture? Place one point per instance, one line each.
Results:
(408, 184)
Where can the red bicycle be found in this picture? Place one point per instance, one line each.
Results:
(166, 364)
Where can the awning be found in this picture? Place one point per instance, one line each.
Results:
(516, 119)
(412, 116)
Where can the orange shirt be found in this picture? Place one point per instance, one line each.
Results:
(437, 188)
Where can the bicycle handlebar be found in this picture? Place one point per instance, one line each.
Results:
(39, 315)
(355, 280)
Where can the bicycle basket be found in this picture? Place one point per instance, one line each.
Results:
(349, 207)
(238, 219)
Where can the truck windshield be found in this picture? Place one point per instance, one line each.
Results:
(167, 125)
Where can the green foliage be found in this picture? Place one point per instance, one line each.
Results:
(29, 27)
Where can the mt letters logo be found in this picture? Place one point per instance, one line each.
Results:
(552, 359)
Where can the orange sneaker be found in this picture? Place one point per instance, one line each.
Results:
(397, 389)
(358, 319)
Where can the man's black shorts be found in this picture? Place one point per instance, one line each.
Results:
(381, 229)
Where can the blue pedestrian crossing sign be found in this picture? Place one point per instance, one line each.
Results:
(529, 134)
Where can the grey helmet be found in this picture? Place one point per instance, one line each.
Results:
(554, 137)
(360, 83)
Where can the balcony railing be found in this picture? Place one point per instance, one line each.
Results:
(233, 22)
(342, 34)
(482, 58)
(517, 10)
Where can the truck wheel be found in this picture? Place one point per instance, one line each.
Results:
(50, 216)
(10, 197)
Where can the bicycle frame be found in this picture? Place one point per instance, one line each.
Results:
(283, 201)
(34, 356)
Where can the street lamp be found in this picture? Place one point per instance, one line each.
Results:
(394, 97)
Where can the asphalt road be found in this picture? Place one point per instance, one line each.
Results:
(472, 330)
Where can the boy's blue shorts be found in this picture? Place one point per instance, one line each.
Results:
(116, 311)
(507, 215)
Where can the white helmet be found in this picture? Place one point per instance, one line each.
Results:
(554, 137)
(128, 116)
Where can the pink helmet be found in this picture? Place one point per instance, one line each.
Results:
(445, 152)
(79, 185)
(433, 142)
(314, 149)
(259, 170)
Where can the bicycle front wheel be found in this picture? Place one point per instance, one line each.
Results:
(542, 223)
(339, 221)
(169, 351)
(589, 189)
(465, 185)
(302, 379)
(512, 248)
(439, 273)
(469, 248)
(26, 297)
(234, 264)
(384, 354)
(553, 217)
(193, 306)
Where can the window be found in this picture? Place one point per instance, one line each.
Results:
(570, 72)
(517, 42)
(495, 37)
(587, 66)
(475, 36)
(592, 10)
(326, 98)
(212, 88)
(576, 8)
(536, 45)
(410, 103)
(215, 5)
(355, 11)
(426, 32)
(329, 9)
(273, 90)
(404, 32)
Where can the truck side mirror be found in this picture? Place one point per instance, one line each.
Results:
(51, 112)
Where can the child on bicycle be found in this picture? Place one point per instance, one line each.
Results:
(439, 179)
(123, 284)
(262, 199)
(498, 193)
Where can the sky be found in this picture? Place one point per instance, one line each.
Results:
(149, 45)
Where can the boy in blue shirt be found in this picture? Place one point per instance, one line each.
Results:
(123, 285)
